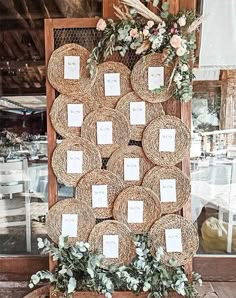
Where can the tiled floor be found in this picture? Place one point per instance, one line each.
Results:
(208, 290)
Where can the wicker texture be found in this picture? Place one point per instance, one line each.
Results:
(99, 177)
(91, 159)
(139, 78)
(56, 71)
(98, 88)
(59, 114)
(70, 206)
(152, 111)
(152, 181)
(150, 141)
(120, 129)
(190, 240)
(126, 244)
(116, 163)
(151, 208)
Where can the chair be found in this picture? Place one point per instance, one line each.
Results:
(14, 180)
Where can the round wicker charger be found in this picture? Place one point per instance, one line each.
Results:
(152, 111)
(116, 163)
(152, 181)
(59, 113)
(120, 129)
(150, 141)
(56, 70)
(190, 240)
(99, 177)
(91, 159)
(139, 78)
(151, 208)
(70, 206)
(98, 88)
(126, 245)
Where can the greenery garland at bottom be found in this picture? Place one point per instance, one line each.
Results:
(78, 269)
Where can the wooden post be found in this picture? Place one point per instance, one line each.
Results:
(108, 11)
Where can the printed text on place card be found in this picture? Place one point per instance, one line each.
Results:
(168, 190)
(135, 211)
(69, 225)
(155, 77)
(74, 162)
(167, 140)
(99, 196)
(71, 67)
(173, 240)
(112, 84)
(104, 132)
(131, 169)
(75, 115)
(137, 113)
(111, 246)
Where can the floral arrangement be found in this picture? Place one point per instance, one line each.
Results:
(79, 269)
(142, 31)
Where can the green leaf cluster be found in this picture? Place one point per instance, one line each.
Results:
(77, 269)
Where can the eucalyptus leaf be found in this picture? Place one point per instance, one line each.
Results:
(155, 3)
(165, 6)
(71, 285)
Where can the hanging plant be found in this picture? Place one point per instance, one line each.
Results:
(140, 30)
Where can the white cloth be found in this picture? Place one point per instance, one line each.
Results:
(206, 74)
(218, 38)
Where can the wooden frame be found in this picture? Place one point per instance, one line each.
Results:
(212, 268)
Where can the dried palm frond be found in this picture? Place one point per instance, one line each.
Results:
(142, 10)
(144, 46)
(195, 24)
(122, 13)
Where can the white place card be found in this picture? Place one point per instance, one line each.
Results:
(111, 246)
(155, 77)
(135, 211)
(168, 190)
(99, 196)
(69, 225)
(112, 84)
(104, 132)
(167, 140)
(71, 67)
(131, 169)
(137, 113)
(74, 162)
(173, 240)
(75, 114)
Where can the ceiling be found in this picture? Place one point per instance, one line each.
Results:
(22, 66)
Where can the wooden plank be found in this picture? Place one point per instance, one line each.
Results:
(21, 267)
(74, 23)
(51, 134)
(108, 11)
(187, 4)
(215, 267)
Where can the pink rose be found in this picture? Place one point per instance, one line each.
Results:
(101, 25)
(133, 32)
(175, 41)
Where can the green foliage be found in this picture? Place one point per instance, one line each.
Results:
(79, 269)
(143, 37)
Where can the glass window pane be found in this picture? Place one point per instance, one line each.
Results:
(213, 164)
(23, 174)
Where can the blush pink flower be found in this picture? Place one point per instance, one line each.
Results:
(133, 32)
(101, 25)
(150, 24)
(175, 41)
(180, 51)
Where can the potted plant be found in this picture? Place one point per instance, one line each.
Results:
(77, 273)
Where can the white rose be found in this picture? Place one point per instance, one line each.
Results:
(161, 31)
(150, 24)
(184, 67)
(180, 51)
(145, 32)
(182, 21)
